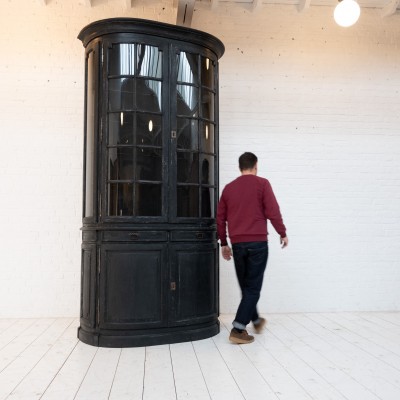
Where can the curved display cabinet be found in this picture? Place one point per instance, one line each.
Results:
(150, 271)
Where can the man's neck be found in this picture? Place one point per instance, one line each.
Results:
(252, 171)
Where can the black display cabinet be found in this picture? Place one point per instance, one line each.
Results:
(150, 272)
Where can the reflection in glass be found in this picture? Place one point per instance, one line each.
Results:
(148, 200)
(207, 170)
(187, 68)
(121, 94)
(149, 61)
(122, 59)
(120, 201)
(187, 100)
(207, 138)
(187, 167)
(207, 104)
(90, 115)
(207, 199)
(148, 95)
(120, 163)
(207, 72)
(187, 201)
(120, 128)
(148, 164)
(187, 134)
(149, 129)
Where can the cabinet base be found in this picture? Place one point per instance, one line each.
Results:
(148, 338)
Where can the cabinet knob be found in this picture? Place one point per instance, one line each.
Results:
(134, 236)
(200, 235)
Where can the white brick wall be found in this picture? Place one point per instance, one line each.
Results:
(317, 103)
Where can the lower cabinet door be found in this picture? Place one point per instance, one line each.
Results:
(194, 283)
(132, 286)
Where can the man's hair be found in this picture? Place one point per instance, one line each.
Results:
(247, 161)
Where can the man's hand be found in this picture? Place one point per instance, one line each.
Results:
(226, 253)
(284, 242)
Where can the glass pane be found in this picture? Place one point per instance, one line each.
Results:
(207, 202)
(149, 129)
(207, 72)
(187, 201)
(90, 118)
(188, 68)
(148, 164)
(207, 170)
(120, 163)
(187, 134)
(121, 94)
(187, 100)
(207, 138)
(149, 61)
(148, 199)
(148, 95)
(207, 104)
(120, 199)
(187, 167)
(122, 59)
(120, 128)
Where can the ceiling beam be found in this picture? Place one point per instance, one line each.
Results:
(390, 8)
(86, 3)
(214, 4)
(256, 5)
(185, 12)
(303, 5)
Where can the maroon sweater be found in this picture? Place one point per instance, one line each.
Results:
(246, 203)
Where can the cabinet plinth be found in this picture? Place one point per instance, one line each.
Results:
(150, 272)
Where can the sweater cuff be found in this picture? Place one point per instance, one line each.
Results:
(224, 243)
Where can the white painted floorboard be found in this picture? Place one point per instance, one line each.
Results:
(305, 356)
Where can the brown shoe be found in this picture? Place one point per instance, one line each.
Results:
(240, 337)
(260, 326)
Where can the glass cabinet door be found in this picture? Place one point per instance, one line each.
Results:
(91, 92)
(134, 146)
(195, 140)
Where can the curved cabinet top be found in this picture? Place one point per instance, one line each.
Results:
(153, 28)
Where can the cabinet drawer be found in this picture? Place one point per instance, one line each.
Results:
(134, 236)
(180, 236)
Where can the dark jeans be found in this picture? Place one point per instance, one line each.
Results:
(250, 262)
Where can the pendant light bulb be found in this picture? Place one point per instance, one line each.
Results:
(346, 13)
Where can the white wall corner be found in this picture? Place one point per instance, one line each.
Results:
(303, 5)
(390, 8)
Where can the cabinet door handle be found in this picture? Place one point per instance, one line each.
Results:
(200, 235)
(134, 236)
(173, 285)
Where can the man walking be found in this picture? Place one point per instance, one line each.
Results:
(245, 205)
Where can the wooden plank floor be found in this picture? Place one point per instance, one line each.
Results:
(337, 356)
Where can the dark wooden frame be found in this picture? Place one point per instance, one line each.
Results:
(147, 280)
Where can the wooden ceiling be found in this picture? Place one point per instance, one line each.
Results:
(185, 8)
